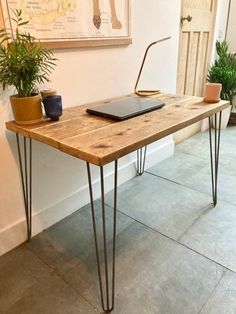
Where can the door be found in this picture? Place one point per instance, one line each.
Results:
(196, 30)
(196, 34)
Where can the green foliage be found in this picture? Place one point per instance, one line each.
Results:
(24, 63)
(224, 71)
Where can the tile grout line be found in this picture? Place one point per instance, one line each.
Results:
(58, 275)
(177, 242)
(201, 214)
(188, 187)
(211, 206)
(64, 280)
(177, 183)
(212, 292)
(158, 176)
(183, 185)
(77, 292)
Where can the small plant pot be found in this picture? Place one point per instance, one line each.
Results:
(212, 92)
(53, 107)
(26, 110)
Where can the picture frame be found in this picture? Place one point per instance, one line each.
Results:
(62, 24)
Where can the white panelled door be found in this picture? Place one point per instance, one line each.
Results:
(196, 30)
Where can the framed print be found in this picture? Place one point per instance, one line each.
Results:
(73, 23)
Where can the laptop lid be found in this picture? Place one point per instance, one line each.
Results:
(127, 108)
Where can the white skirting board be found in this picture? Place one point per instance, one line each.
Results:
(13, 235)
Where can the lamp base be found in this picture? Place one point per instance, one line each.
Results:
(146, 93)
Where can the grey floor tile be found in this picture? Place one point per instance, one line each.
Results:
(153, 275)
(162, 205)
(223, 300)
(194, 172)
(198, 145)
(52, 295)
(226, 180)
(228, 134)
(214, 235)
(57, 271)
(71, 240)
(181, 167)
(20, 270)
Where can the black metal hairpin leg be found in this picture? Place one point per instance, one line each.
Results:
(215, 159)
(108, 300)
(26, 179)
(141, 158)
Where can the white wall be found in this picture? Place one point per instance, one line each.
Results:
(220, 24)
(231, 31)
(84, 75)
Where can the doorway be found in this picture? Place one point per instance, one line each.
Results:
(196, 34)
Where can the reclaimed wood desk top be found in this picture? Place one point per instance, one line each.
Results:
(100, 141)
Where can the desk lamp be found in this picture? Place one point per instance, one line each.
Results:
(147, 92)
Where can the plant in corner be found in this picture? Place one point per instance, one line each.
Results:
(223, 71)
(24, 64)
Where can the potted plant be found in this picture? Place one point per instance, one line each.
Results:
(223, 71)
(24, 64)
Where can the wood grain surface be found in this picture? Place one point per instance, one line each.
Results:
(100, 141)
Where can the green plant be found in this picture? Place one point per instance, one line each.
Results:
(224, 71)
(24, 63)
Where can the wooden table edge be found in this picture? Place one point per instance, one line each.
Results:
(102, 161)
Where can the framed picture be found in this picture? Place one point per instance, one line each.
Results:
(73, 23)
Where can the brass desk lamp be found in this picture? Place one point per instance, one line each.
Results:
(147, 92)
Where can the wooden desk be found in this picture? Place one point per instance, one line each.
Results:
(100, 141)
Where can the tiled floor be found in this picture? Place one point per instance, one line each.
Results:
(175, 253)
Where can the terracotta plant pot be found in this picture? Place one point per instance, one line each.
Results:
(26, 110)
(212, 92)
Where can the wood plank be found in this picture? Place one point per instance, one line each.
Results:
(199, 69)
(117, 140)
(100, 141)
(52, 134)
(198, 4)
(182, 64)
(68, 114)
(192, 63)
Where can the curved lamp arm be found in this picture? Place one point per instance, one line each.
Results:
(147, 92)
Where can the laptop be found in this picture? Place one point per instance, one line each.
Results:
(125, 109)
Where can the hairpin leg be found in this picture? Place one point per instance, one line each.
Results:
(26, 179)
(141, 158)
(107, 297)
(215, 159)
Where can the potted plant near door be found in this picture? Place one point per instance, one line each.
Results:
(24, 64)
(223, 71)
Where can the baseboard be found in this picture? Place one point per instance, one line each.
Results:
(15, 234)
(187, 132)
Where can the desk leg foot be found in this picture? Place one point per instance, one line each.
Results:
(107, 287)
(214, 157)
(25, 164)
(141, 158)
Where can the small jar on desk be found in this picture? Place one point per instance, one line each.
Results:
(52, 104)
